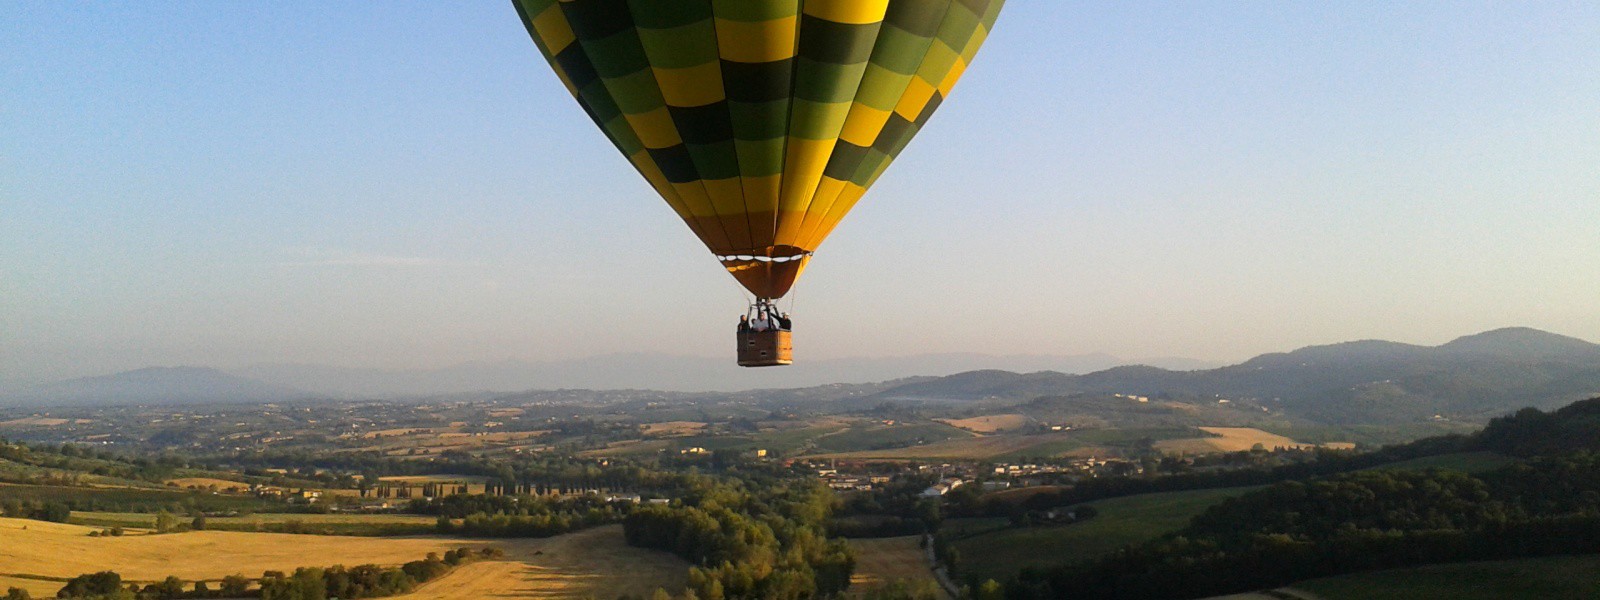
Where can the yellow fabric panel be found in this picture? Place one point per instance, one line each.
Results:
(863, 125)
(727, 195)
(761, 193)
(803, 162)
(847, 199)
(553, 29)
(758, 42)
(855, 12)
(978, 37)
(916, 97)
(950, 79)
(827, 191)
(695, 198)
(691, 86)
(655, 128)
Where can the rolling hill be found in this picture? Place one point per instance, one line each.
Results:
(1471, 378)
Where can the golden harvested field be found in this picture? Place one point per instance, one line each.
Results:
(882, 560)
(972, 448)
(1233, 439)
(673, 428)
(34, 422)
(595, 562)
(989, 423)
(147, 520)
(36, 587)
(206, 482)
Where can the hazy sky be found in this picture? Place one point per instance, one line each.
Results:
(407, 184)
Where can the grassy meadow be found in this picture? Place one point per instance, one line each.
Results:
(1549, 578)
(1120, 522)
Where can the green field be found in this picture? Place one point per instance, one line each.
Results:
(147, 500)
(1133, 436)
(331, 524)
(1550, 578)
(879, 437)
(1467, 462)
(1368, 435)
(1121, 521)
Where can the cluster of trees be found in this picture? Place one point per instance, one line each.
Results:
(1351, 522)
(518, 516)
(537, 525)
(753, 537)
(55, 512)
(70, 462)
(544, 470)
(365, 581)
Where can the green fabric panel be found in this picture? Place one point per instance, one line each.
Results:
(760, 121)
(874, 162)
(817, 120)
(958, 26)
(533, 7)
(918, 17)
(899, 50)
(623, 136)
(825, 82)
(687, 46)
(881, 88)
(755, 10)
(715, 161)
(992, 14)
(668, 14)
(616, 55)
(636, 93)
(597, 98)
(760, 158)
(825, 41)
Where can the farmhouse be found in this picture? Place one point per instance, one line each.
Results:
(942, 488)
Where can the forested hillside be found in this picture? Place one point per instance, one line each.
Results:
(1546, 504)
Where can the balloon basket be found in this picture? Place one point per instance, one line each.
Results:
(765, 348)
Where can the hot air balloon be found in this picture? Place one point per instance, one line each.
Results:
(761, 122)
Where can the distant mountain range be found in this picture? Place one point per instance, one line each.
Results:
(661, 372)
(1370, 381)
(157, 385)
(1365, 382)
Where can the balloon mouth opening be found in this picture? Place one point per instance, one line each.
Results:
(775, 255)
(750, 257)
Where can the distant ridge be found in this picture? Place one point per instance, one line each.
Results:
(1369, 381)
(663, 372)
(157, 385)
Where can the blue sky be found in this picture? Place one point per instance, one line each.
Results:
(406, 184)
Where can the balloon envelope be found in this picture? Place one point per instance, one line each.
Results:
(761, 122)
